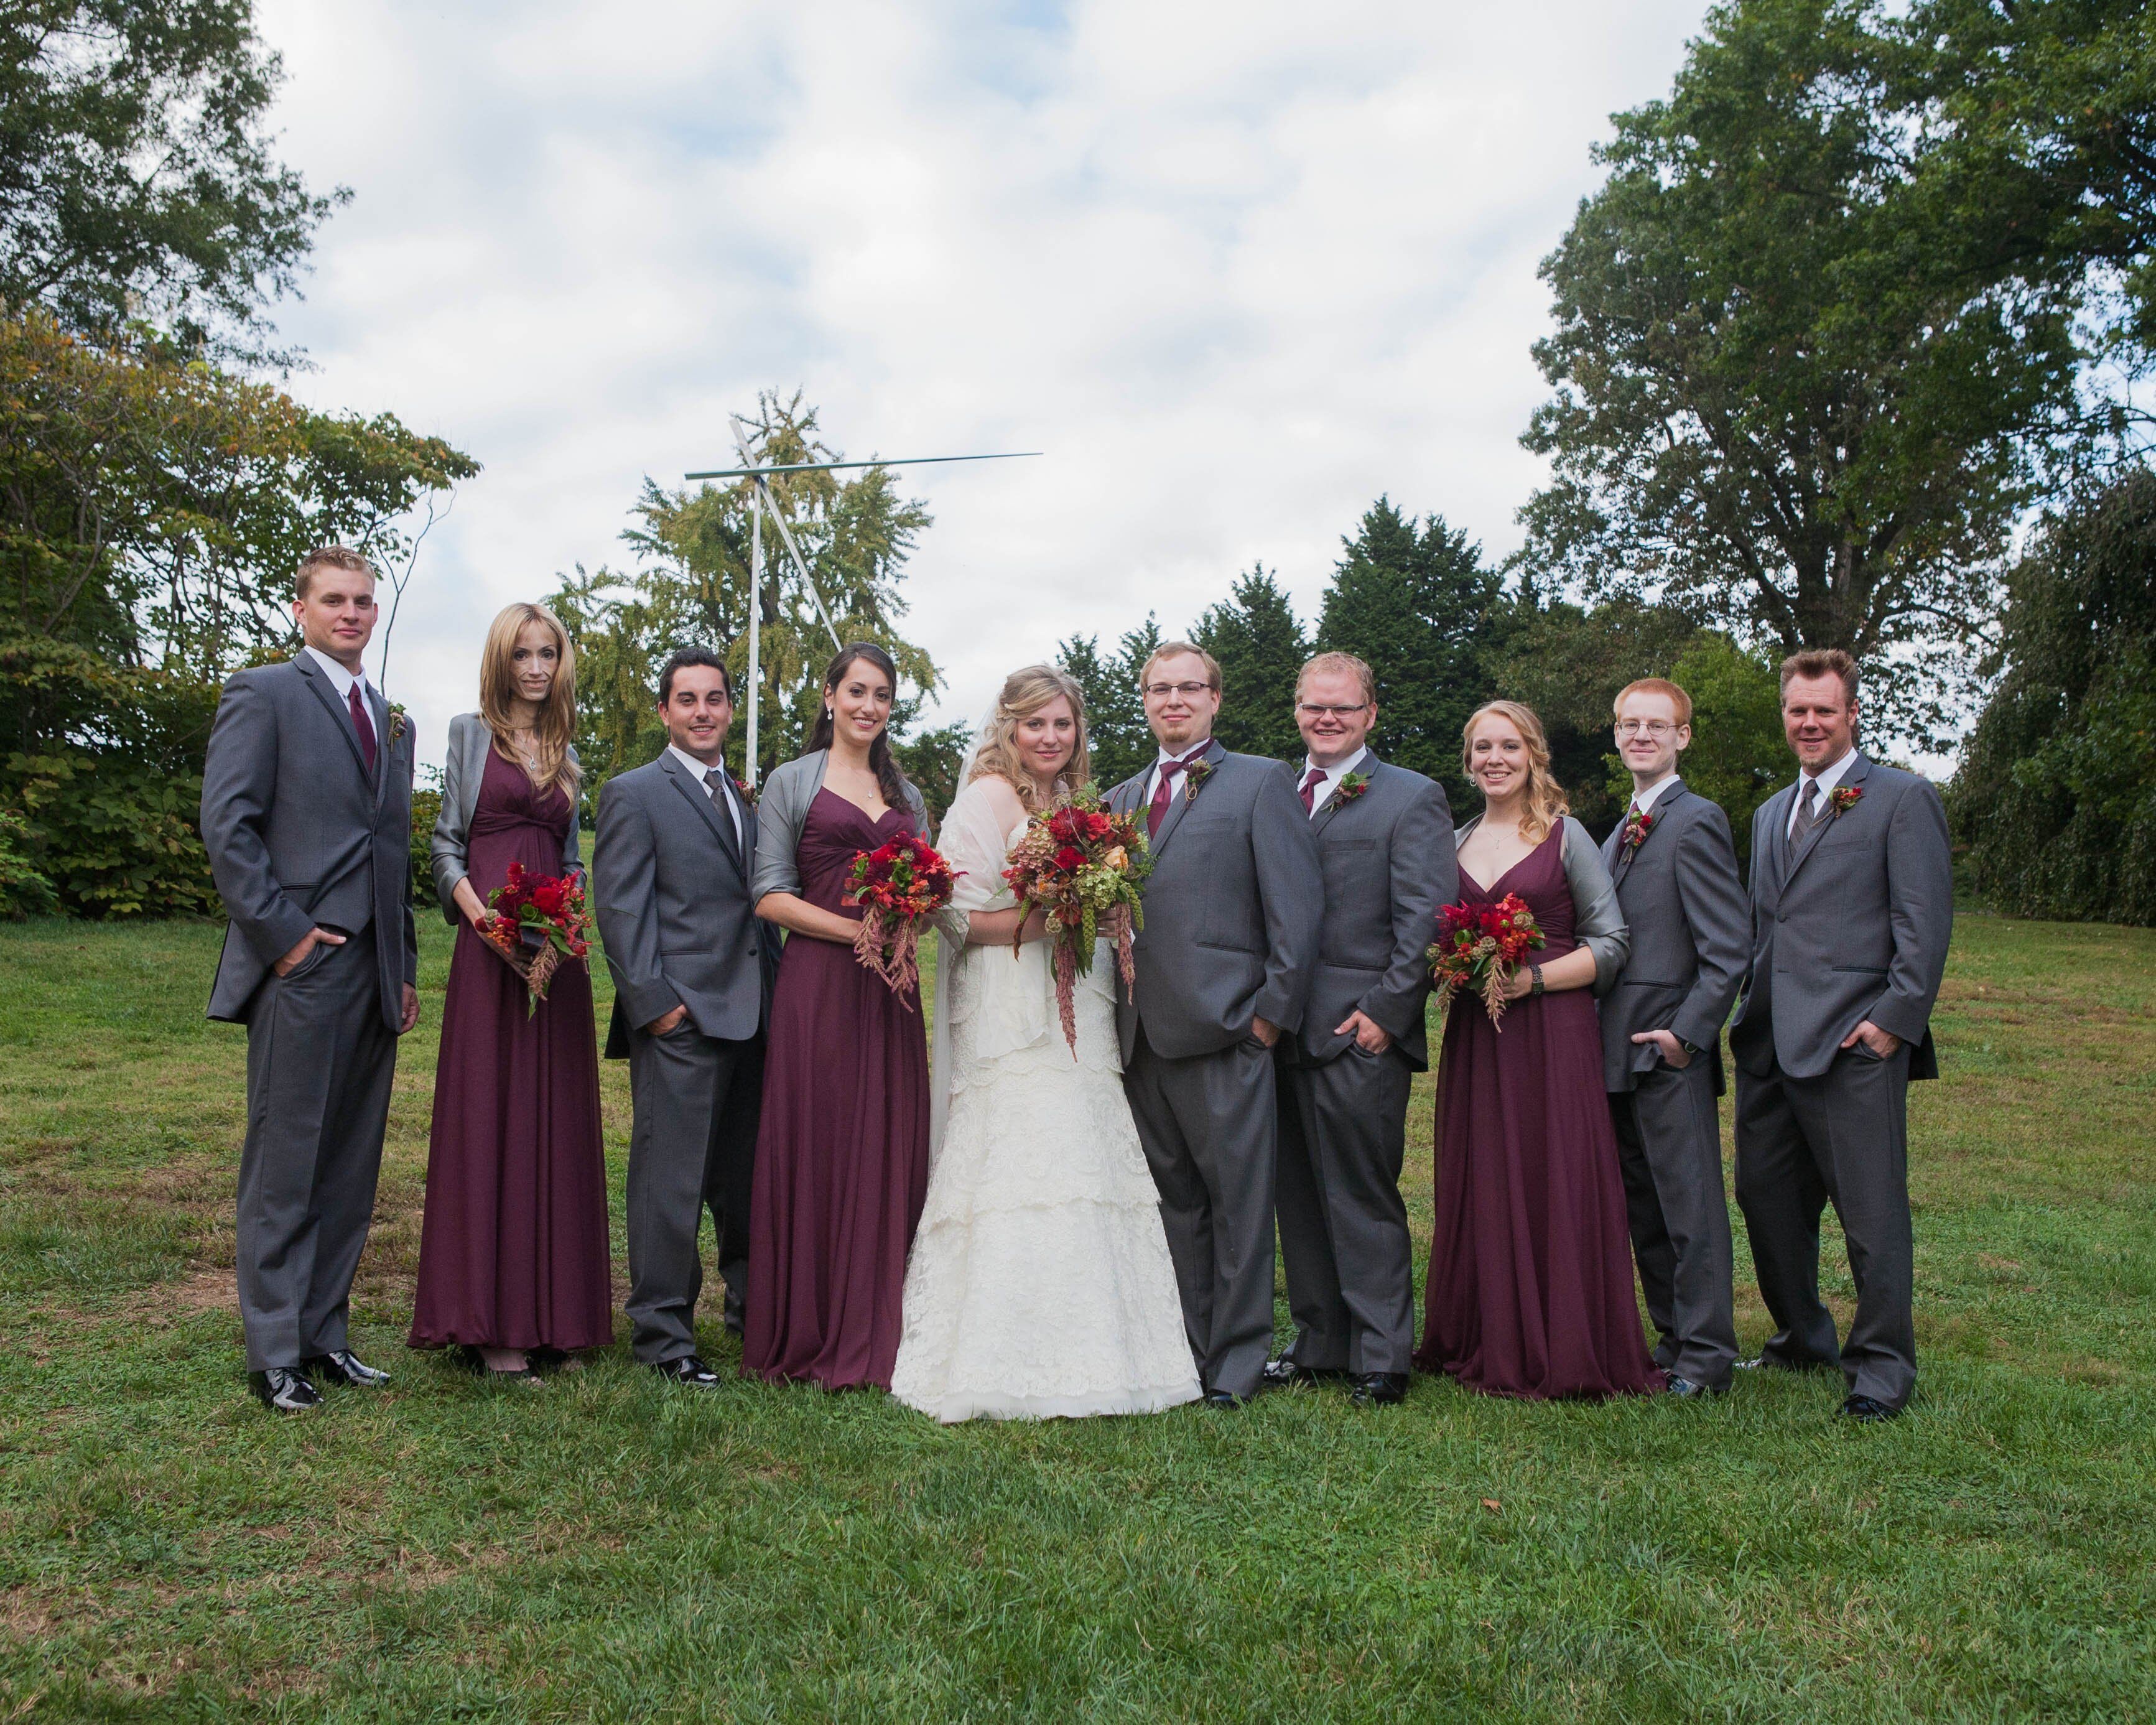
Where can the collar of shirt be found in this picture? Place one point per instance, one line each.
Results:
(1152, 778)
(341, 680)
(1646, 800)
(1828, 778)
(1326, 785)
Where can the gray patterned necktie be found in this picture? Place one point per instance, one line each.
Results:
(1808, 813)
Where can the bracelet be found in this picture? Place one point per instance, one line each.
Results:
(1536, 972)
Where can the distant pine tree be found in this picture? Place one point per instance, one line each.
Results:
(1417, 604)
(1261, 646)
(1115, 711)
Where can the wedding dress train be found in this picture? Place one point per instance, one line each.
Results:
(1039, 1283)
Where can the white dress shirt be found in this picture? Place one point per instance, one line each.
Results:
(1826, 779)
(723, 796)
(1326, 785)
(1645, 800)
(342, 680)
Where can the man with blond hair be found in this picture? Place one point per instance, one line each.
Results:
(1384, 847)
(1676, 875)
(1852, 908)
(1224, 966)
(306, 815)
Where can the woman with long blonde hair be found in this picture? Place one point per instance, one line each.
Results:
(513, 1251)
(1530, 1285)
(1039, 1283)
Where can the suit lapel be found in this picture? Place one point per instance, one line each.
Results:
(699, 799)
(385, 745)
(1626, 854)
(1369, 767)
(1828, 817)
(315, 680)
(1173, 818)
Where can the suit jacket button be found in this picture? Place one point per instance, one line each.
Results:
(752, 949)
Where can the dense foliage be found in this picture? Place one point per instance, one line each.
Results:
(2056, 794)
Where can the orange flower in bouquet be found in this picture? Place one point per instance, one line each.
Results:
(1478, 948)
(1076, 860)
(897, 884)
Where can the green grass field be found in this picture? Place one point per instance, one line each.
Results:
(605, 1547)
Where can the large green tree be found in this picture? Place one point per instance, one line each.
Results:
(694, 589)
(1117, 731)
(1260, 645)
(136, 182)
(1793, 390)
(1418, 603)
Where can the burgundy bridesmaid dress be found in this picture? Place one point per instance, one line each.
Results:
(842, 1149)
(1530, 1286)
(513, 1251)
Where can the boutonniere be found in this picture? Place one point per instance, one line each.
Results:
(1194, 779)
(1637, 828)
(741, 786)
(1352, 786)
(1845, 796)
(399, 720)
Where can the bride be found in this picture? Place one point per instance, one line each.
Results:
(1039, 1283)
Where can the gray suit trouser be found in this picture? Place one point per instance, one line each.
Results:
(1210, 1130)
(1842, 1136)
(1669, 1150)
(691, 1147)
(320, 1061)
(1343, 1226)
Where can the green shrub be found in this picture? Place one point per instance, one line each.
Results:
(24, 891)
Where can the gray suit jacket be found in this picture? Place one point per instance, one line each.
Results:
(470, 737)
(671, 892)
(1852, 924)
(1684, 903)
(300, 833)
(1232, 910)
(1387, 864)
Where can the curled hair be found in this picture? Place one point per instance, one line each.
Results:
(891, 779)
(556, 722)
(1025, 692)
(1821, 662)
(1545, 804)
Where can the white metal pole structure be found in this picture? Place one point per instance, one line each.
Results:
(760, 502)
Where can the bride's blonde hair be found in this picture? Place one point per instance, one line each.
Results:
(1544, 804)
(1024, 693)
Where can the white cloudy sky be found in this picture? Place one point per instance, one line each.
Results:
(1238, 269)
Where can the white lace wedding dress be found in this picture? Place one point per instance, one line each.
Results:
(1039, 1283)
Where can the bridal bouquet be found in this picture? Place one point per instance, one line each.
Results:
(897, 884)
(1075, 860)
(535, 921)
(1477, 949)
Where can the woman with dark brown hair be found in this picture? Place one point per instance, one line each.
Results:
(842, 1148)
(513, 1252)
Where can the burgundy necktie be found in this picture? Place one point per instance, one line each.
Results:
(365, 726)
(1164, 792)
(1311, 781)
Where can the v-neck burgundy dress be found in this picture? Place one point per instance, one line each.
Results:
(842, 1149)
(1530, 1286)
(513, 1249)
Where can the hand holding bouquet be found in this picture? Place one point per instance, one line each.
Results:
(1478, 949)
(535, 921)
(1077, 862)
(897, 884)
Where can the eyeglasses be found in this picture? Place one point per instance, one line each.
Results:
(1651, 727)
(1188, 692)
(1310, 709)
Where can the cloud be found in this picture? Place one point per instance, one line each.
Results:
(1238, 270)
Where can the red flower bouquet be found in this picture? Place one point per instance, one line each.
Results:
(1478, 949)
(897, 884)
(534, 921)
(1076, 860)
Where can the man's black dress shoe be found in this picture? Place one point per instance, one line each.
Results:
(285, 1389)
(1379, 1389)
(345, 1367)
(1687, 1389)
(1283, 1373)
(1223, 1399)
(688, 1369)
(1868, 1412)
